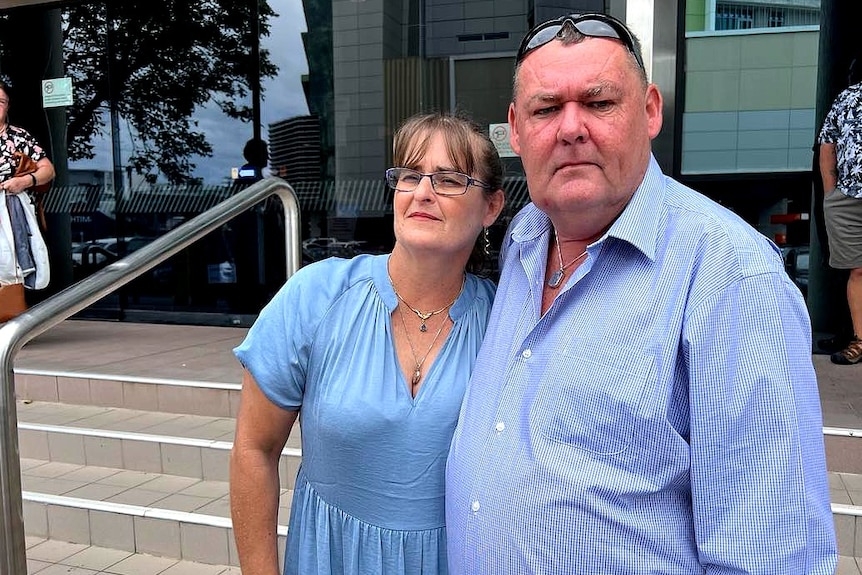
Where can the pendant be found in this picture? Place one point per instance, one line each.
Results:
(423, 328)
(555, 279)
(417, 375)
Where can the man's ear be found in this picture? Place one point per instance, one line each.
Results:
(513, 131)
(653, 110)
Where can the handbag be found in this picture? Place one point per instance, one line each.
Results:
(26, 165)
(12, 302)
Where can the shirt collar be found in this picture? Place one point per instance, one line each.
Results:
(637, 224)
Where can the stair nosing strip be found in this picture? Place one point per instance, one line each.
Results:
(147, 437)
(131, 379)
(115, 434)
(135, 510)
(842, 431)
(844, 509)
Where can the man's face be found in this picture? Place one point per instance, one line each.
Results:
(582, 122)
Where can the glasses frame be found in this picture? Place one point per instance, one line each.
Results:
(392, 177)
(621, 33)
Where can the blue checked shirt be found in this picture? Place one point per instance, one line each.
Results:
(662, 416)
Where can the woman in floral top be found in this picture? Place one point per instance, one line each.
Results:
(14, 139)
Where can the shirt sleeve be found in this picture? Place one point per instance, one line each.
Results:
(277, 348)
(759, 486)
(830, 133)
(26, 143)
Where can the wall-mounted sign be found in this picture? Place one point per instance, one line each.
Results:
(56, 92)
(500, 136)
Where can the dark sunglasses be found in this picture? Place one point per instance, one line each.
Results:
(593, 25)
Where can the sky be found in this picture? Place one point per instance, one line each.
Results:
(283, 98)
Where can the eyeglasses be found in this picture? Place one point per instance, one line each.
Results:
(443, 183)
(593, 25)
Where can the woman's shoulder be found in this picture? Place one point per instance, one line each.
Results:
(483, 288)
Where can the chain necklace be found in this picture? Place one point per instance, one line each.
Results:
(417, 367)
(557, 277)
(423, 315)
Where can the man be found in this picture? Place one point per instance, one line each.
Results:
(841, 171)
(649, 406)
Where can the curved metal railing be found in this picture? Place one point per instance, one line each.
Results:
(42, 317)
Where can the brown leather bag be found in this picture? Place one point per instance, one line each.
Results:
(12, 301)
(26, 165)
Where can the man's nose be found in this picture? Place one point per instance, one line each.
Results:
(572, 127)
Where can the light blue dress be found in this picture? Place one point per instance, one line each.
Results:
(369, 492)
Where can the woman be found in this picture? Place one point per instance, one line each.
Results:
(23, 254)
(14, 139)
(374, 352)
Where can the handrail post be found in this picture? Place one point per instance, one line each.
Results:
(40, 318)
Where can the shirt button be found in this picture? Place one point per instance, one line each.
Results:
(500, 426)
(526, 354)
(474, 506)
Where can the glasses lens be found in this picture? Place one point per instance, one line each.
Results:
(598, 29)
(540, 38)
(402, 179)
(449, 183)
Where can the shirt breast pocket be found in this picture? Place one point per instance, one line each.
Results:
(589, 401)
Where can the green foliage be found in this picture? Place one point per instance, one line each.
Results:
(167, 57)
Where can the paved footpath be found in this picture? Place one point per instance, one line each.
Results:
(204, 353)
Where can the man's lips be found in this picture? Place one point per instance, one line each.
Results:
(574, 165)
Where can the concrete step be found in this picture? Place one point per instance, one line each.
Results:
(207, 398)
(140, 465)
(172, 517)
(193, 446)
(50, 557)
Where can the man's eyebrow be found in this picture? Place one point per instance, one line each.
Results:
(607, 89)
(602, 89)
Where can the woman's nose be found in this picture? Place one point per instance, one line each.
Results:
(425, 190)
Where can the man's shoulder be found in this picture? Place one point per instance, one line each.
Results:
(849, 97)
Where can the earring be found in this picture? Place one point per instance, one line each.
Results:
(487, 243)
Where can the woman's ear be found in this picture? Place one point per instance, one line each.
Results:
(496, 202)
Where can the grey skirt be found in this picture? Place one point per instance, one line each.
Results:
(843, 216)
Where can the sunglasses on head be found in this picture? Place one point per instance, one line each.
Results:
(592, 25)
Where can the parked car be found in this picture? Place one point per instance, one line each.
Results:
(314, 249)
(103, 251)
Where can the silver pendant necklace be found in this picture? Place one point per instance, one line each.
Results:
(417, 363)
(426, 315)
(557, 277)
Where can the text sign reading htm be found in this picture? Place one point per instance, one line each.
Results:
(56, 92)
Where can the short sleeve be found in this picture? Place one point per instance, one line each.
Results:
(277, 347)
(830, 132)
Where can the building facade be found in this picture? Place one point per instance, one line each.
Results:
(163, 100)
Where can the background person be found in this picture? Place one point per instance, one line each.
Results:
(373, 354)
(14, 139)
(23, 254)
(644, 400)
(841, 171)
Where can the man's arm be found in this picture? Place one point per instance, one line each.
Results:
(760, 493)
(261, 431)
(828, 167)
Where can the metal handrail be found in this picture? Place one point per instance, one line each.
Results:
(43, 316)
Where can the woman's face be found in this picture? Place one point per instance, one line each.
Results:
(444, 224)
(4, 105)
